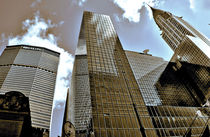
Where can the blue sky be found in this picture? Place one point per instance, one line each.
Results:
(132, 20)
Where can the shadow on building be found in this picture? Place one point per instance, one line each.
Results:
(15, 116)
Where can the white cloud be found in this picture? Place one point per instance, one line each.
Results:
(192, 4)
(197, 5)
(79, 2)
(132, 8)
(35, 3)
(3, 43)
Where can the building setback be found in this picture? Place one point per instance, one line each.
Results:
(32, 71)
(147, 70)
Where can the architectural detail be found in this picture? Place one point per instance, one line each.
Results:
(15, 115)
(14, 101)
(187, 43)
(69, 130)
(32, 71)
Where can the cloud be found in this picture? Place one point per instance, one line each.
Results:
(3, 43)
(132, 7)
(36, 33)
(196, 5)
(79, 2)
(192, 4)
(36, 2)
(57, 117)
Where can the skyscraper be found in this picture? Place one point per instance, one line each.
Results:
(32, 71)
(185, 81)
(187, 43)
(115, 94)
(117, 107)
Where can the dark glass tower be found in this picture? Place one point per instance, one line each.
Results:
(117, 106)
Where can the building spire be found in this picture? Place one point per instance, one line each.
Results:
(150, 6)
(155, 12)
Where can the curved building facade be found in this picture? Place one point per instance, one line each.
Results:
(31, 71)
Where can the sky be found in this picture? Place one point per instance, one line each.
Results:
(55, 24)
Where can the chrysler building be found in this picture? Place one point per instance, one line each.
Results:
(188, 44)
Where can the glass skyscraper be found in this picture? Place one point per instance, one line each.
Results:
(117, 106)
(122, 93)
(32, 71)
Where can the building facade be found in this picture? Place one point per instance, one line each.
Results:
(32, 71)
(173, 93)
(147, 70)
(115, 91)
(184, 84)
(117, 106)
(187, 43)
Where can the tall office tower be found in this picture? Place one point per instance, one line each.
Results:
(187, 43)
(117, 107)
(106, 96)
(31, 71)
(147, 70)
(80, 84)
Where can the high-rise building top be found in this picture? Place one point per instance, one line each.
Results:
(187, 43)
(168, 22)
(32, 71)
(172, 31)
